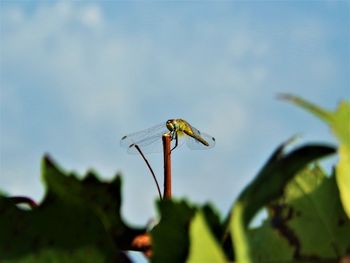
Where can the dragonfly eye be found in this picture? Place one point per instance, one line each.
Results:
(170, 125)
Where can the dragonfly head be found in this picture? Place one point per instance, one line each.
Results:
(172, 125)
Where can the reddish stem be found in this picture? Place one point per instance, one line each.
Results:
(167, 165)
(143, 244)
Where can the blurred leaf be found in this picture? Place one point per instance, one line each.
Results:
(319, 112)
(316, 214)
(267, 186)
(341, 127)
(203, 245)
(268, 245)
(341, 124)
(339, 121)
(187, 234)
(343, 177)
(279, 170)
(104, 198)
(213, 221)
(170, 238)
(218, 229)
(74, 223)
(55, 230)
(307, 224)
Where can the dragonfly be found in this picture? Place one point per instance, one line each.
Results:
(150, 140)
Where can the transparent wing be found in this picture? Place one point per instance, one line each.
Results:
(149, 140)
(155, 145)
(195, 144)
(180, 141)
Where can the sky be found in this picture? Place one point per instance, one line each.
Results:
(77, 76)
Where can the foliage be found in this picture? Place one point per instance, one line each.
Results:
(339, 122)
(79, 220)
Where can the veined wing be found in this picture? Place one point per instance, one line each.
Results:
(149, 140)
(195, 143)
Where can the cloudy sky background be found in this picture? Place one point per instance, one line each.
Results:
(76, 77)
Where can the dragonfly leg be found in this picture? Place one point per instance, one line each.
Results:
(176, 140)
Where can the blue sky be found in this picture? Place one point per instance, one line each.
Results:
(77, 76)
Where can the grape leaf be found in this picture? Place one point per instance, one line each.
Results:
(170, 238)
(78, 221)
(267, 186)
(339, 122)
(203, 245)
(307, 224)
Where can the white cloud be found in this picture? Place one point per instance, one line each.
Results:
(14, 15)
(62, 8)
(91, 16)
(83, 70)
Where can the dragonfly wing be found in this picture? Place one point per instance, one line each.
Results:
(154, 145)
(195, 144)
(151, 145)
(147, 139)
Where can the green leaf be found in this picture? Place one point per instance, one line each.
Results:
(339, 122)
(170, 238)
(316, 215)
(279, 170)
(268, 245)
(317, 111)
(213, 221)
(308, 224)
(341, 127)
(78, 221)
(267, 186)
(343, 177)
(203, 245)
(104, 198)
(68, 229)
(219, 230)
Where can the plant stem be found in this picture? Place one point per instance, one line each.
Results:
(150, 168)
(167, 165)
